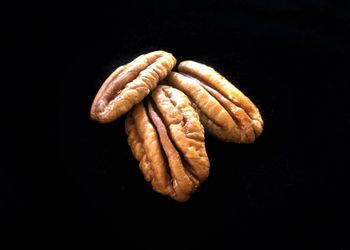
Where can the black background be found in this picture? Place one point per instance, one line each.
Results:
(67, 172)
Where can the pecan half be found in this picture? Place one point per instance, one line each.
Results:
(167, 138)
(224, 110)
(129, 84)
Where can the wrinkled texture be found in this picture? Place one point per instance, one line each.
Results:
(130, 84)
(224, 110)
(168, 140)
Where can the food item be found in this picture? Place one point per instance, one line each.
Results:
(165, 129)
(166, 136)
(224, 110)
(130, 84)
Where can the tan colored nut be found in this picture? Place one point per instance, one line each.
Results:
(224, 110)
(167, 138)
(130, 84)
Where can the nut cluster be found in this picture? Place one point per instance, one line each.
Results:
(166, 128)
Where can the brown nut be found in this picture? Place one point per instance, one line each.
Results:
(224, 110)
(167, 138)
(130, 84)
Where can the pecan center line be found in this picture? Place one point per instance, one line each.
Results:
(127, 75)
(184, 122)
(223, 100)
(152, 115)
(166, 140)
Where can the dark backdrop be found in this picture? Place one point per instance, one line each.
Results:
(287, 189)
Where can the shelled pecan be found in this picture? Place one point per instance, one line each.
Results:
(224, 110)
(166, 136)
(130, 84)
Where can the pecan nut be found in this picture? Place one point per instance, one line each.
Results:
(224, 110)
(130, 84)
(166, 136)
